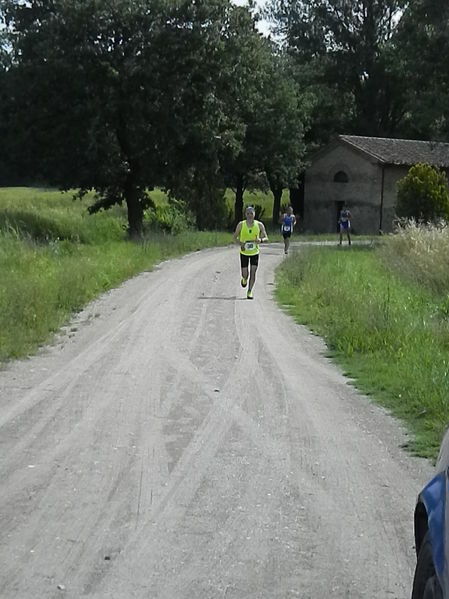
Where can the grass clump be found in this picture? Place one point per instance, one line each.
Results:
(384, 327)
(419, 252)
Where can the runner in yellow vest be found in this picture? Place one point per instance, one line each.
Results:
(248, 234)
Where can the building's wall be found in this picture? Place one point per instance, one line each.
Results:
(362, 193)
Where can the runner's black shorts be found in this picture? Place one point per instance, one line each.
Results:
(286, 234)
(245, 260)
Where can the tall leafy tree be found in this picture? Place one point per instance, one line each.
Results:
(268, 110)
(423, 42)
(282, 121)
(3, 103)
(250, 54)
(344, 54)
(219, 160)
(116, 94)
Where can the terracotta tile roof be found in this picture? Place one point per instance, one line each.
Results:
(400, 151)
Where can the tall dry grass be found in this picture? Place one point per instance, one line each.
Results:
(420, 252)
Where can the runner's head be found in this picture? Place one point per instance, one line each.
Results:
(250, 213)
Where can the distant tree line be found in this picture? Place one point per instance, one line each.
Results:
(125, 95)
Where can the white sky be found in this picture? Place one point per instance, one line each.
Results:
(262, 25)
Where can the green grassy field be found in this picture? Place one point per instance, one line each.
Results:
(385, 320)
(55, 257)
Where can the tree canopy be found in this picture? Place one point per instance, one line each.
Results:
(344, 55)
(124, 95)
(105, 89)
(423, 48)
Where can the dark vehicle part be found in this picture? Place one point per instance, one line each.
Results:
(425, 582)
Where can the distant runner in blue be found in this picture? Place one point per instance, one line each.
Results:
(288, 221)
(345, 224)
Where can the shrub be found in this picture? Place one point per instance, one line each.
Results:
(173, 218)
(423, 194)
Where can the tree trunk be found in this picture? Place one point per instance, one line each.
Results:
(276, 189)
(133, 198)
(277, 194)
(132, 191)
(238, 207)
(297, 198)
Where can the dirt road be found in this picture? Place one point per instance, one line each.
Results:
(181, 442)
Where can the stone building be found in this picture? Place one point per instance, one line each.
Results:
(362, 172)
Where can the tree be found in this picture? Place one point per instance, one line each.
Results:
(116, 95)
(283, 119)
(423, 44)
(269, 110)
(423, 194)
(216, 161)
(345, 56)
(241, 162)
(3, 103)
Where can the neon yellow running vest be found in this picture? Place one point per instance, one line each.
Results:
(248, 235)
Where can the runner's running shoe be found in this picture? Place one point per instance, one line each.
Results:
(243, 282)
(249, 295)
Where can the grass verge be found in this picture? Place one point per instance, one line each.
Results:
(389, 332)
(54, 258)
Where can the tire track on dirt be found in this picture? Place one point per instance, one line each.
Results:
(214, 452)
(88, 422)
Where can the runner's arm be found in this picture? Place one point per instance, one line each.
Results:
(263, 233)
(237, 233)
(237, 236)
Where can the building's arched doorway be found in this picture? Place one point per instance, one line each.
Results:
(339, 177)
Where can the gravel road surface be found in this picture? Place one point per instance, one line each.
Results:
(178, 441)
